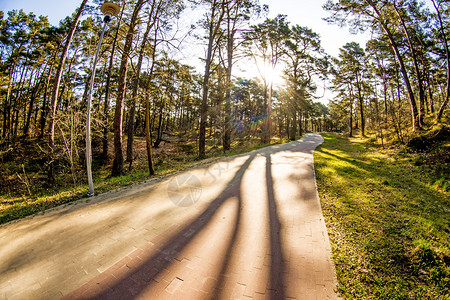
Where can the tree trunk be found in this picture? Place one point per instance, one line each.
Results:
(268, 136)
(385, 98)
(293, 130)
(361, 105)
(214, 27)
(108, 87)
(33, 97)
(412, 99)
(7, 106)
(429, 92)
(204, 106)
(148, 137)
(131, 122)
(351, 113)
(117, 168)
(5, 115)
(300, 127)
(44, 109)
(265, 110)
(160, 127)
(416, 68)
(230, 51)
(288, 125)
(51, 129)
(431, 102)
(447, 53)
(147, 132)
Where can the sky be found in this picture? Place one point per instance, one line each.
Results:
(307, 13)
(302, 12)
(56, 10)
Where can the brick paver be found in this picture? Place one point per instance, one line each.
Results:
(256, 232)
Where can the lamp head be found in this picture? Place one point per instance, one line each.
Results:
(110, 9)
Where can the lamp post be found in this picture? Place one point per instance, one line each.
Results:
(109, 10)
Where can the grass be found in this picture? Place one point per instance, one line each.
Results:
(23, 191)
(388, 221)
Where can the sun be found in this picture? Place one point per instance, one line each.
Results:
(256, 68)
(269, 73)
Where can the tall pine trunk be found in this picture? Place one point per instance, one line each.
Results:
(54, 100)
(117, 167)
(230, 51)
(351, 112)
(131, 121)
(293, 130)
(361, 105)
(412, 99)
(447, 53)
(214, 26)
(34, 93)
(108, 88)
(416, 68)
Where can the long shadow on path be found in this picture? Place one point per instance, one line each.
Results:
(141, 276)
(276, 251)
(138, 275)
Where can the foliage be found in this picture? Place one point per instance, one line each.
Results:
(404, 81)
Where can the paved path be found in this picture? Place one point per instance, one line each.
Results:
(249, 227)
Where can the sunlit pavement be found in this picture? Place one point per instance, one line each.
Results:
(249, 227)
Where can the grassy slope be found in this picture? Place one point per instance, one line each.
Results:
(389, 224)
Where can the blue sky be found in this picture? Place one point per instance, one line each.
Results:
(54, 9)
(303, 12)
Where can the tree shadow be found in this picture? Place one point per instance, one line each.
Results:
(136, 281)
(177, 238)
(277, 269)
(357, 163)
(277, 258)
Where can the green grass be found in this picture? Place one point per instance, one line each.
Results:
(389, 223)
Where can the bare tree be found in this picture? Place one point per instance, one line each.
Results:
(214, 21)
(51, 127)
(117, 168)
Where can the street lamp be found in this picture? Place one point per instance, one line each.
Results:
(109, 10)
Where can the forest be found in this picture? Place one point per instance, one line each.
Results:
(150, 113)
